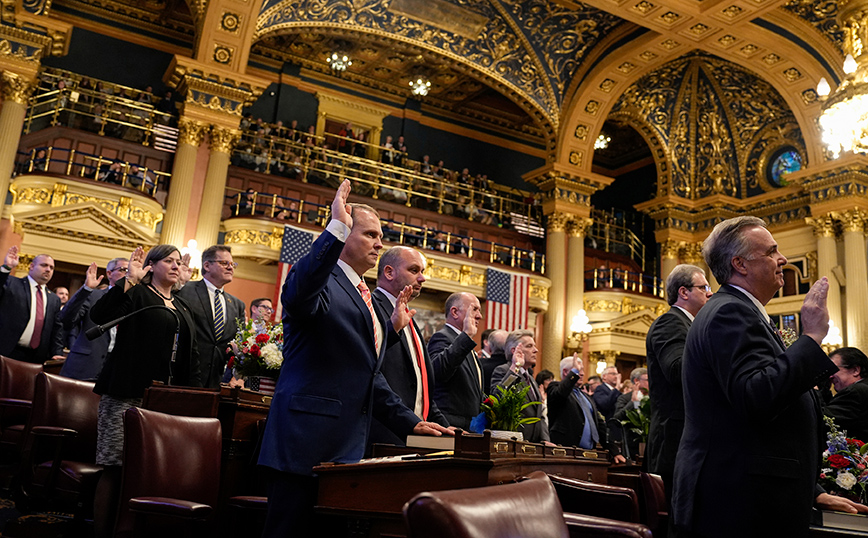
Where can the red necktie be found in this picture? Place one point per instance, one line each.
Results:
(40, 318)
(366, 295)
(420, 360)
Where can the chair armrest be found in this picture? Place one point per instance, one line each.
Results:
(581, 526)
(52, 431)
(248, 502)
(165, 506)
(15, 403)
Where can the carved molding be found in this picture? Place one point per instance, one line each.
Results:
(854, 220)
(579, 226)
(223, 140)
(557, 222)
(16, 88)
(825, 226)
(191, 132)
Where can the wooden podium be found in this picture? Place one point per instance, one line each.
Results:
(369, 496)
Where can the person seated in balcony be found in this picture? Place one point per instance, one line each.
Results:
(290, 212)
(246, 157)
(294, 132)
(263, 161)
(246, 203)
(113, 174)
(40, 162)
(618, 276)
(387, 155)
(345, 143)
(246, 121)
(425, 166)
(401, 152)
(360, 149)
(603, 277)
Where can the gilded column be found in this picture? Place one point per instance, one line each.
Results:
(826, 231)
(221, 143)
(190, 136)
(856, 269)
(16, 90)
(576, 229)
(668, 257)
(553, 332)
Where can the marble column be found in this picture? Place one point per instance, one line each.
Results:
(190, 136)
(221, 143)
(16, 91)
(825, 230)
(575, 269)
(668, 258)
(553, 332)
(856, 271)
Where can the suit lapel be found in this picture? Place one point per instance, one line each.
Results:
(25, 289)
(356, 297)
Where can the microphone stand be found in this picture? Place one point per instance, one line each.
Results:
(99, 330)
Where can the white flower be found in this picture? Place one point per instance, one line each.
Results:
(273, 357)
(846, 480)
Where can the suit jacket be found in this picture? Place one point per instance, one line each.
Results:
(400, 373)
(566, 419)
(749, 455)
(664, 347)
(212, 352)
(606, 398)
(538, 431)
(489, 365)
(628, 439)
(849, 408)
(458, 390)
(86, 357)
(15, 313)
(143, 346)
(331, 382)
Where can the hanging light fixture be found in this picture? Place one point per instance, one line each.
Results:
(420, 86)
(602, 141)
(339, 61)
(844, 116)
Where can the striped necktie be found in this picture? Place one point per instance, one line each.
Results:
(423, 370)
(219, 322)
(366, 295)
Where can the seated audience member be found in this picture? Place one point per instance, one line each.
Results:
(86, 357)
(627, 401)
(113, 174)
(246, 202)
(849, 406)
(522, 353)
(573, 416)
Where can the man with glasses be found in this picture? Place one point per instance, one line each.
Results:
(214, 312)
(261, 310)
(86, 357)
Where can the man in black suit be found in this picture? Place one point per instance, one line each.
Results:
(749, 456)
(630, 401)
(458, 377)
(214, 312)
(607, 393)
(522, 352)
(573, 416)
(406, 366)
(86, 356)
(496, 357)
(849, 406)
(687, 291)
(30, 328)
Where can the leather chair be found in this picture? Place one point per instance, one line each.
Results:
(598, 500)
(171, 475)
(656, 515)
(525, 509)
(16, 397)
(582, 526)
(59, 450)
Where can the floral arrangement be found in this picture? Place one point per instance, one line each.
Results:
(502, 409)
(258, 348)
(639, 419)
(845, 465)
(788, 336)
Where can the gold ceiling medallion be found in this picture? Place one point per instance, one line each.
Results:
(576, 158)
(669, 44)
(607, 85)
(581, 132)
(222, 54)
(230, 22)
(643, 7)
(626, 67)
(647, 55)
(792, 74)
(732, 11)
(747, 50)
(670, 17)
(699, 29)
(771, 58)
(592, 107)
(727, 40)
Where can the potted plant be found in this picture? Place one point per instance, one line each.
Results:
(258, 354)
(501, 412)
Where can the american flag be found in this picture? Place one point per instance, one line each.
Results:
(506, 299)
(296, 243)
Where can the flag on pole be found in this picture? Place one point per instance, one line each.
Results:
(506, 299)
(296, 243)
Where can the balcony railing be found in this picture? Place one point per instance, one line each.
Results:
(282, 208)
(612, 234)
(619, 279)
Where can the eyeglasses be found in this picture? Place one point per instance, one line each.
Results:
(266, 308)
(121, 269)
(706, 288)
(227, 265)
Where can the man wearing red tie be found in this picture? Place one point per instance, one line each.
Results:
(407, 366)
(30, 329)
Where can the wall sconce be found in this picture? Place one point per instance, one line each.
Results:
(580, 327)
(833, 339)
(192, 249)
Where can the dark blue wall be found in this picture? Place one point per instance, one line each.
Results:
(292, 104)
(106, 58)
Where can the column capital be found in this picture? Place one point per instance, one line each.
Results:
(223, 140)
(557, 222)
(17, 88)
(191, 131)
(854, 220)
(579, 226)
(669, 249)
(692, 253)
(824, 226)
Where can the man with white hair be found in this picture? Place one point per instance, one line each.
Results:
(522, 353)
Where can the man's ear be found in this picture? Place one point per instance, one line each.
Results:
(738, 265)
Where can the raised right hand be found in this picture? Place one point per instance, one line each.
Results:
(815, 313)
(136, 269)
(471, 325)
(90, 278)
(340, 211)
(11, 259)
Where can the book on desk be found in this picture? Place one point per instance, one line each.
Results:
(843, 520)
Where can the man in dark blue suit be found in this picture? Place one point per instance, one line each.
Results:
(606, 394)
(330, 384)
(749, 456)
(406, 367)
(30, 328)
(86, 357)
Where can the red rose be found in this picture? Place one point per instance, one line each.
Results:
(231, 362)
(838, 461)
(254, 350)
(261, 338)
(856, 442)
(487, 401)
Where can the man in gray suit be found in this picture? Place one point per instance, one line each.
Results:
(215, 312)
(86, 357)
(522, 352)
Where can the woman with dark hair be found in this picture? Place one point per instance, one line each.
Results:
(849, 406)
(142, 353)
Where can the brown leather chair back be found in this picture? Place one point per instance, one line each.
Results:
(168, 456)
(656, 510)
(183, 401)
(63, 402)
(598, 500)
(16, 383)
(582, 526)
(525, 509)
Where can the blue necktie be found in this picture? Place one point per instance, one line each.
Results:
(218, 316)
(589, 430)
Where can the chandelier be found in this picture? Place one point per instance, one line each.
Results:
(420, 86)
(844, 112)
(602, 141)
(339, 62)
